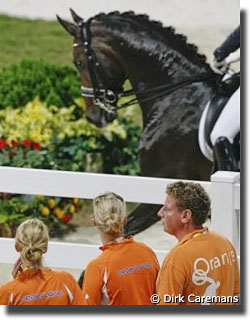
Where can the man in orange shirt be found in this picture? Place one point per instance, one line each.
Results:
(202, 268)
(126, 271)
(33, 284)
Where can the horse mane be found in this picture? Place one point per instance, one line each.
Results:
(177, 41)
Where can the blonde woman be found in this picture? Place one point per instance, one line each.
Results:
(33, 284)
(125, 273)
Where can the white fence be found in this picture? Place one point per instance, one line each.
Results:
(224, 190)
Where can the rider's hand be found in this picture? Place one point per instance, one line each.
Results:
(220, 67)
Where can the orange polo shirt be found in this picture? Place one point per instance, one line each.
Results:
(41, 287)
(124, 274)
(201, 265)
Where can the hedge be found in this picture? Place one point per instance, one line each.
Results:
(53, 84)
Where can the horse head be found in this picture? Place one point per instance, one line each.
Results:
(101, 72)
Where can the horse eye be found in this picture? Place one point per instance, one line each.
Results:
(79, 64)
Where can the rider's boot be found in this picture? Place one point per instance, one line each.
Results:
(224, 155)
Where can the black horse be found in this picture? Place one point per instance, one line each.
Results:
(171, 80)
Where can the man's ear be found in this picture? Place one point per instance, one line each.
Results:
(186, 216)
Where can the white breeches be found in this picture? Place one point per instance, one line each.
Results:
(228, 123)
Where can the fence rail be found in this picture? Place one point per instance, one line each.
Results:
(62, 254)
(83, 185)
(224, 190)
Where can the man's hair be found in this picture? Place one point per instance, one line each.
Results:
(191, 196)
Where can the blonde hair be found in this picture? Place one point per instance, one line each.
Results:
(32, 238)
(109, 212)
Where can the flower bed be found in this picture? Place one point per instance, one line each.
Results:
(55, 212)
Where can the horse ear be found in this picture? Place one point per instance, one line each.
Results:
(68, 26)
(75, 17)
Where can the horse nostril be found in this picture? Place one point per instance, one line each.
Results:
(98, 123)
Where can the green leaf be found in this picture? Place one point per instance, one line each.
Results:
(3, 218)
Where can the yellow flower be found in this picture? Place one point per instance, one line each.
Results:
(59, 213)
(75, 200)
(51, 203)
(45, 211)
(72, 209)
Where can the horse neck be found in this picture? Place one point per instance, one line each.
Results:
(157, 64)
(149, 61)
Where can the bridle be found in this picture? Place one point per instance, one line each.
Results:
(107, 98)
(102, 96)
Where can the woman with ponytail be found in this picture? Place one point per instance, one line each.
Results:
(33, 284)
(125, 272)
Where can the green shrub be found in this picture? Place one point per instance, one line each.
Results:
(120, 156)
(53, 84)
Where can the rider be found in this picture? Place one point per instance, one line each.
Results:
(228, 123)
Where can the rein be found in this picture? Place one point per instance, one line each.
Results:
(106, 98)
(159, 91)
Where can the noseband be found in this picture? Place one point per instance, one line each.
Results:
(107, 98)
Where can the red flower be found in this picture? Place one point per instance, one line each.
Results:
(36, 145)
(67, 218)
(27, 142)
(3, 143)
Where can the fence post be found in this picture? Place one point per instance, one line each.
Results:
(223, 204)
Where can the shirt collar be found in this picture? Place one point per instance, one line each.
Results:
(129, 239)
(193, 234)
